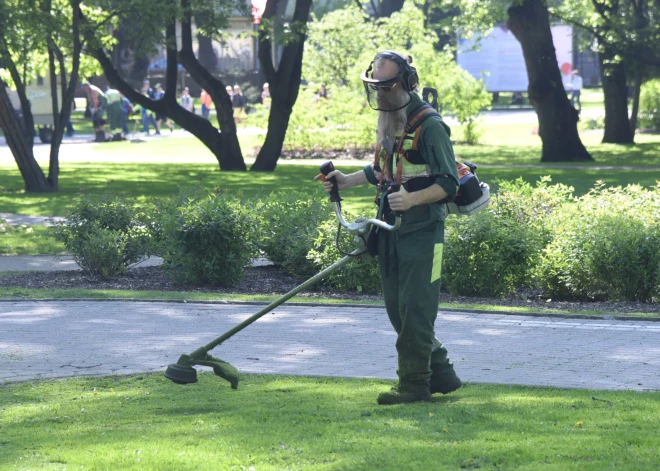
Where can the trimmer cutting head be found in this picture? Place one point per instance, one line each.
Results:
(181, 374)
(182, 371)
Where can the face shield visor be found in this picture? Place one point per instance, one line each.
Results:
(385, 95)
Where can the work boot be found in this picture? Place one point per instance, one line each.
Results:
(398, 395)
(444, 380)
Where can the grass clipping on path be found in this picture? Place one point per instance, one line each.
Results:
(274, 423)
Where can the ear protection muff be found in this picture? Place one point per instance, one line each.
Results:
(409, 75)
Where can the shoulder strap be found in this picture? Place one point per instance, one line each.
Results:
(422, 113)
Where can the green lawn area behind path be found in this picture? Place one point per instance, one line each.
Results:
(146, 180)
(158, 168)
(275, 423)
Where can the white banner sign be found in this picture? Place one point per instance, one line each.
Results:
(499, 59)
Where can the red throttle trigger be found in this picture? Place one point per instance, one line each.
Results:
(326, 168)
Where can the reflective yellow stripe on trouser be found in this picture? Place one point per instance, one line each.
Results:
(436, 271)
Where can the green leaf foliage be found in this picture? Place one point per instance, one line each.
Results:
(606, 246)
(497, 250)
(290, 222)
(106, 235)
(206, 237)
(361, 275)
(339, 49)
(649, 105)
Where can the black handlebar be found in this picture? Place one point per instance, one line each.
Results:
(326, 168)
(393, 188)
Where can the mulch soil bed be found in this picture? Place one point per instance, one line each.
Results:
(269, 280)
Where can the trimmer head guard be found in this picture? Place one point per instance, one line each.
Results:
(181, 374)
(182, 371)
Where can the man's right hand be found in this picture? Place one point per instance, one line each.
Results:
(327, 185)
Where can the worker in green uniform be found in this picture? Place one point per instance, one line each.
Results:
(410, 260)
(113, 108)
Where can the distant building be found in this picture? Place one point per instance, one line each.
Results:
(238, 51)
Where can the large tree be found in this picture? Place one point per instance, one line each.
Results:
(208, 19)
(530, 23)
(626, 34)
(283, 77)
(33, 31)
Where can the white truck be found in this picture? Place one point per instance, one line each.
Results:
(41, 104)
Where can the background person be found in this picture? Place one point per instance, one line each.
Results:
(265, 96)
(97, 103)
(187, 101)
(576, 90)
(126, 111)
(161, 118)
(114, 108)
(207, 103)
(238, 103)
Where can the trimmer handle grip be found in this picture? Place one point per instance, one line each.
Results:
(394, 187)
(326, 168)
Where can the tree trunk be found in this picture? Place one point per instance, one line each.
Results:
(387, 7)
(435, 17)
(206, 53)
(228, 146)
(615, 90)
(139, 70)
(56, 140)
(278, 122)
(284, 85)
(530, 24)
(33, 176)
(223, 145)
(637, 89)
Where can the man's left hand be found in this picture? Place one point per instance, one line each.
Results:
(401, 200)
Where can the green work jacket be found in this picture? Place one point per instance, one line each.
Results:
(436, 150)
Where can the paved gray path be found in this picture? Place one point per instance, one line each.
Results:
(63, 339)
(20, 219)
(51, 263)
(65, 263)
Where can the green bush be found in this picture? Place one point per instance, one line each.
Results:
(606, 247)
(497, 251)
(360, 275)
(101, 252)
(589, 124)
(290, 222)
(207, 238)
(106, 235)
(334, 54)
(487, 254)
(649, 105)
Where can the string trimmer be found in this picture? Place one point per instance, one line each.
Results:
(182, 372)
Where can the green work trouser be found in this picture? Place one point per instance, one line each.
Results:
(410, 267)
(114, 111)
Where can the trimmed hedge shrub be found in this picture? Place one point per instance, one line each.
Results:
(496, 251)
(606, 247)
(207, 238)
(106, 235)
(649, 105)
(289, 225)
(487, 255)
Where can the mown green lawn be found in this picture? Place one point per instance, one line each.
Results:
(28, 240)
(297, 423)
